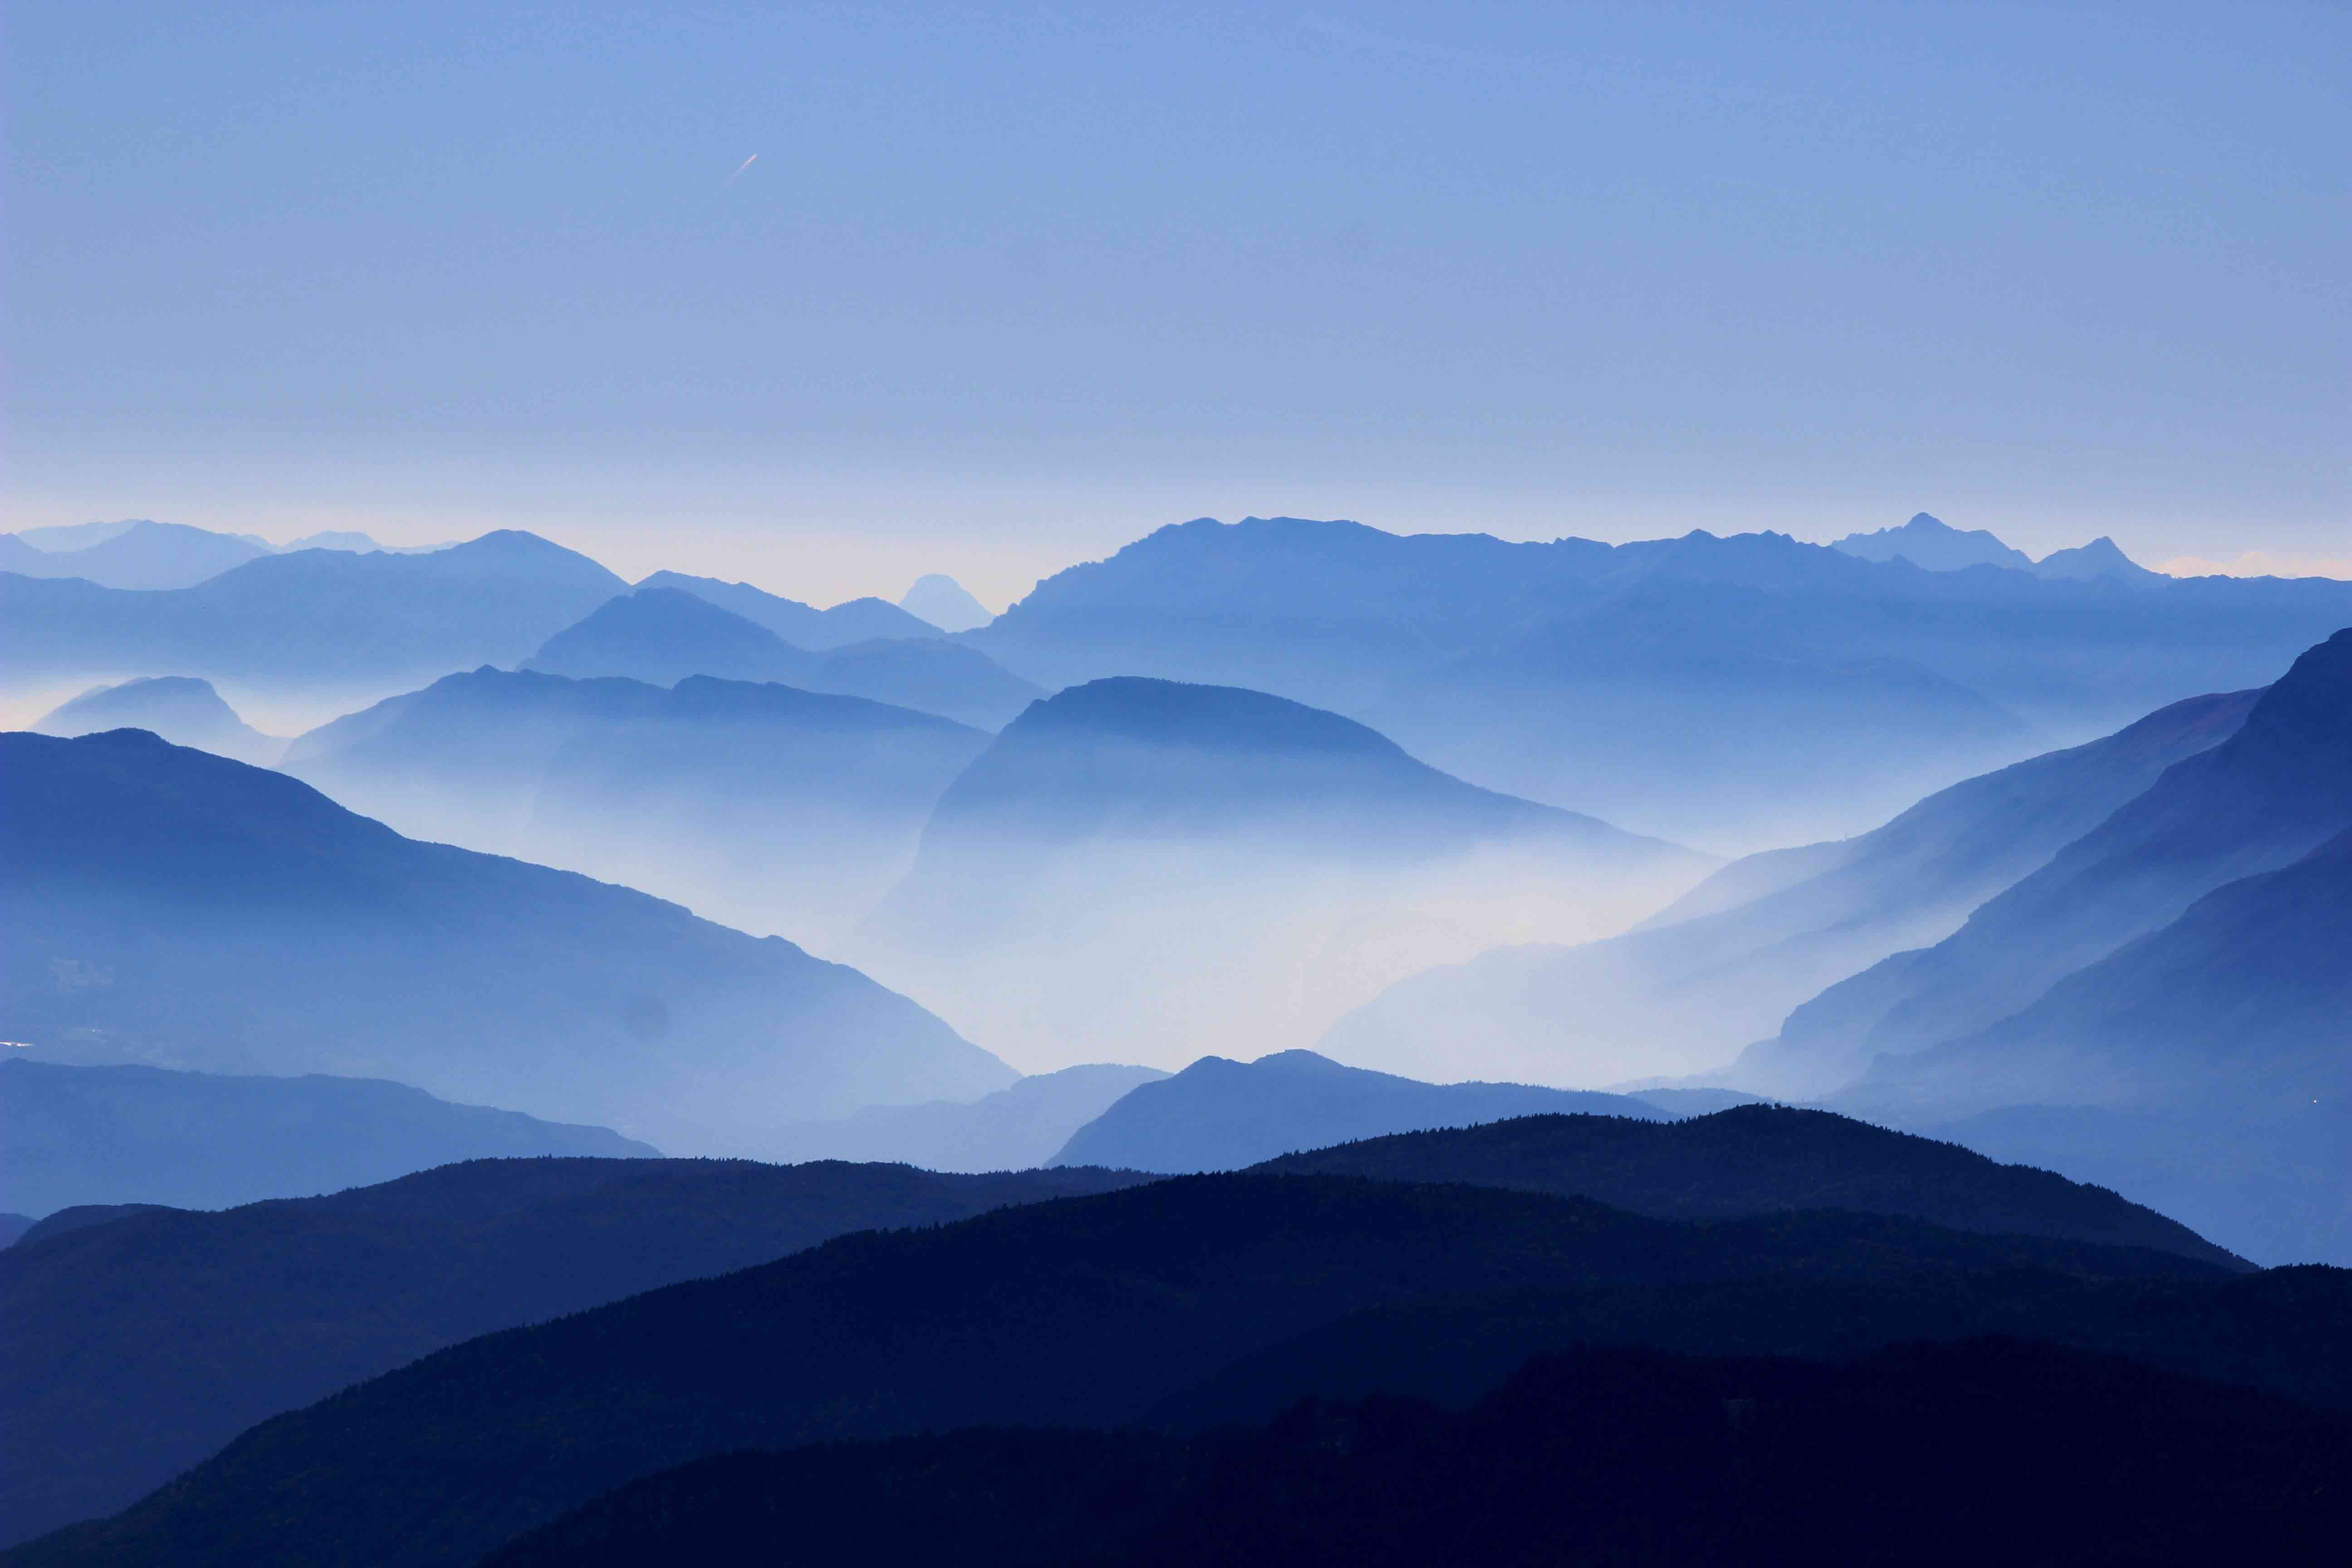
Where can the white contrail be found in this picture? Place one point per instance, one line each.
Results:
(738, 170)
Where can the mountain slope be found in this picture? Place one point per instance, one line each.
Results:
(1021, 1126)
(1221, 1115)
(1085, 1311)
(184, 711)
(1122, 839)
(2269, 794)
(768, 807)
(1758, 1159)
(209, 1323)
(174, 908)
(943, 602)
(76, 1135)
(1726, 963)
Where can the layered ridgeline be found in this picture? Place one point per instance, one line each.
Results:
(80, 1135)
(2272, 793)
(1936, 546)
(2205, 1064)
(209, 1323)
(1751, 690)
(663, 634)
(945, 604)
(1223, 1115)
(1186, 868)
(182, 709)
(1095, 1311)
(169, 906)
(771, 808)
(141, 553)
(313, 619)
(1729, 962)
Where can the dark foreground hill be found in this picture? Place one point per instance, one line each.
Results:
(206, 1323)
(1086, 1312)
(1221, 1115)
(72, 1135)
(173, 907)
(1631, 1454)
(1760, 1159)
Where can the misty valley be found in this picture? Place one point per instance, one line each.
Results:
(1295, 1043)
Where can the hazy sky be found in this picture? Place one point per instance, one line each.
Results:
(1005, 287)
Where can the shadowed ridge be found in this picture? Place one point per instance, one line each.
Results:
(1761, 1158)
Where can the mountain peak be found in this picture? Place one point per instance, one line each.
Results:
(943, 602)
(2102, 558)
(1934, 546)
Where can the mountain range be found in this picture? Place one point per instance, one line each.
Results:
(1722, 966)
(802, 626)
(177, 908)
(771, 808)
(72, 1136)
(1739, 692)
(313, 619)
(1020, 1126)
(1123, 838)
(663, 634)
(943, 602)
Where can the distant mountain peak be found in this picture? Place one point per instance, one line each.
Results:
(943, 601)
(1934, 546)
(2102, 557)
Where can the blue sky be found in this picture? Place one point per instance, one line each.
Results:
(1006, 285)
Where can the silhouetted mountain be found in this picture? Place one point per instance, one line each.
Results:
(147, 556)
(182, 709)
(1121, 839)
(1675, 1459)
(1935, 545)
(174, 908)
(313, 618)
(942, 601)
(1221, 1115)
(208, 1322)
(1756, 1159)
(1755, 687)
(1085, 1312)
(1011, 1129)
(802, 626)
(76, 1135)
(661, 635)
(13, 1226)
(2263, 798)
(767, 808)
(1726, 963)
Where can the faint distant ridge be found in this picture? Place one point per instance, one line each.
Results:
(182, 709)
(1934, 546)
(943, 601)
(802, 626)
(664, 634)
(148, 554)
